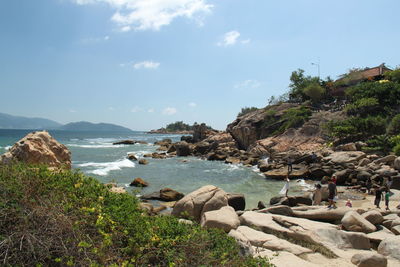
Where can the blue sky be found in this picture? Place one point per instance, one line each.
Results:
(146, 63)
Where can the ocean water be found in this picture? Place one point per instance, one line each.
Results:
(94, 154)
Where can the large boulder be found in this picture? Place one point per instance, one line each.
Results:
(280, 209)
(396, 163)
(373, 216)
(390, 247)
(182, 149)
(322, 214)
(201, 147)
(139, 182)
(225, 218)
(388, 160)
(369, 259)
(345, 157)
(353, 221)
(259, 239)
(291, 201)
(299, 171)
(204, 199)
(38, 148)
(165, 194)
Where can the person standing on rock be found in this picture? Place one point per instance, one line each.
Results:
(317, 197)
(289, 165)
(378, 196)
(332, 193)
(387, 196)
(285, 189)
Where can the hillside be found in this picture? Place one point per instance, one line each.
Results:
(18, 122)
(88, 126)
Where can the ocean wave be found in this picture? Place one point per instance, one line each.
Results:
(96, 145)
(103, 168)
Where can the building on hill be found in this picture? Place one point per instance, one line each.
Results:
(356, 76)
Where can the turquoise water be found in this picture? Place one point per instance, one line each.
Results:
(94, 154)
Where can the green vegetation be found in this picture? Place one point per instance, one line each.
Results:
(181, 126)
(394, 126)
(63, 218)
(298, 84)
(314, 91)
(369, 105)
(246, 110)
(393, 76)
(291, 118)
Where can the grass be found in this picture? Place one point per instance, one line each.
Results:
(64, 218)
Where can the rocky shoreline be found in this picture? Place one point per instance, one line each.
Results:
(290, 231)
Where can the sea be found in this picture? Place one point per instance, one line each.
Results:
(94, 154)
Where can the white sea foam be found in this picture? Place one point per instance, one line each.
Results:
(95, 146)
(7, 148)
(103, 168)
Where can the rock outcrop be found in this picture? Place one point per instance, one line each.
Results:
(195, 204)
(38, 148)
(225, 218)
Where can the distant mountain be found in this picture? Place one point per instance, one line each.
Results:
(88, 126)
(17, 122)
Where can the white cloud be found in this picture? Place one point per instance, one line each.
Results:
(248, 84)
(136, 109)
(72, 111)
(152, 14)
(94, 40)
(146, 65)
(192, 104)
(231, 38)
(111, 108)
(169, 111)
(150, 110)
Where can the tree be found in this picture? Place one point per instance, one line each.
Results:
(298, 82)
(314, 91)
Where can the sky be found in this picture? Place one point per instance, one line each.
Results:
(146, 63)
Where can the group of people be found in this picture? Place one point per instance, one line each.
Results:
(381, 193)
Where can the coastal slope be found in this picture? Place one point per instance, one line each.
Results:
(88, 126)
(8, 121)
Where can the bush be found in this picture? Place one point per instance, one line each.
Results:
(396, 150)
(394, 126)
(387, 93)
(294, 117)
(246, 110)
(368, 126)
(393, 76)
(64, 218)
(363, 107)
(314, 91)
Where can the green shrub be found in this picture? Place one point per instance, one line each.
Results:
(63, 218)
(294, 117)
(393, 75)
(368, 126)
(363, 107)
(387, 93)
(394, 126)
(314, 91)
(396, 150)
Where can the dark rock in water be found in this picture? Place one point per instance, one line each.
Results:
(162, 148)
(125, 142)
(182, 149)
(171, 149)
(215, 156)
(168, 194)
(265, 167)
(261, 205)
(132, 157)
(164, 142)
(154, 196)
(143, 162)
(187, 138)
(237, 201)
(139, 182)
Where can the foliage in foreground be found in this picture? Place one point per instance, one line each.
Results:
(67, 219)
